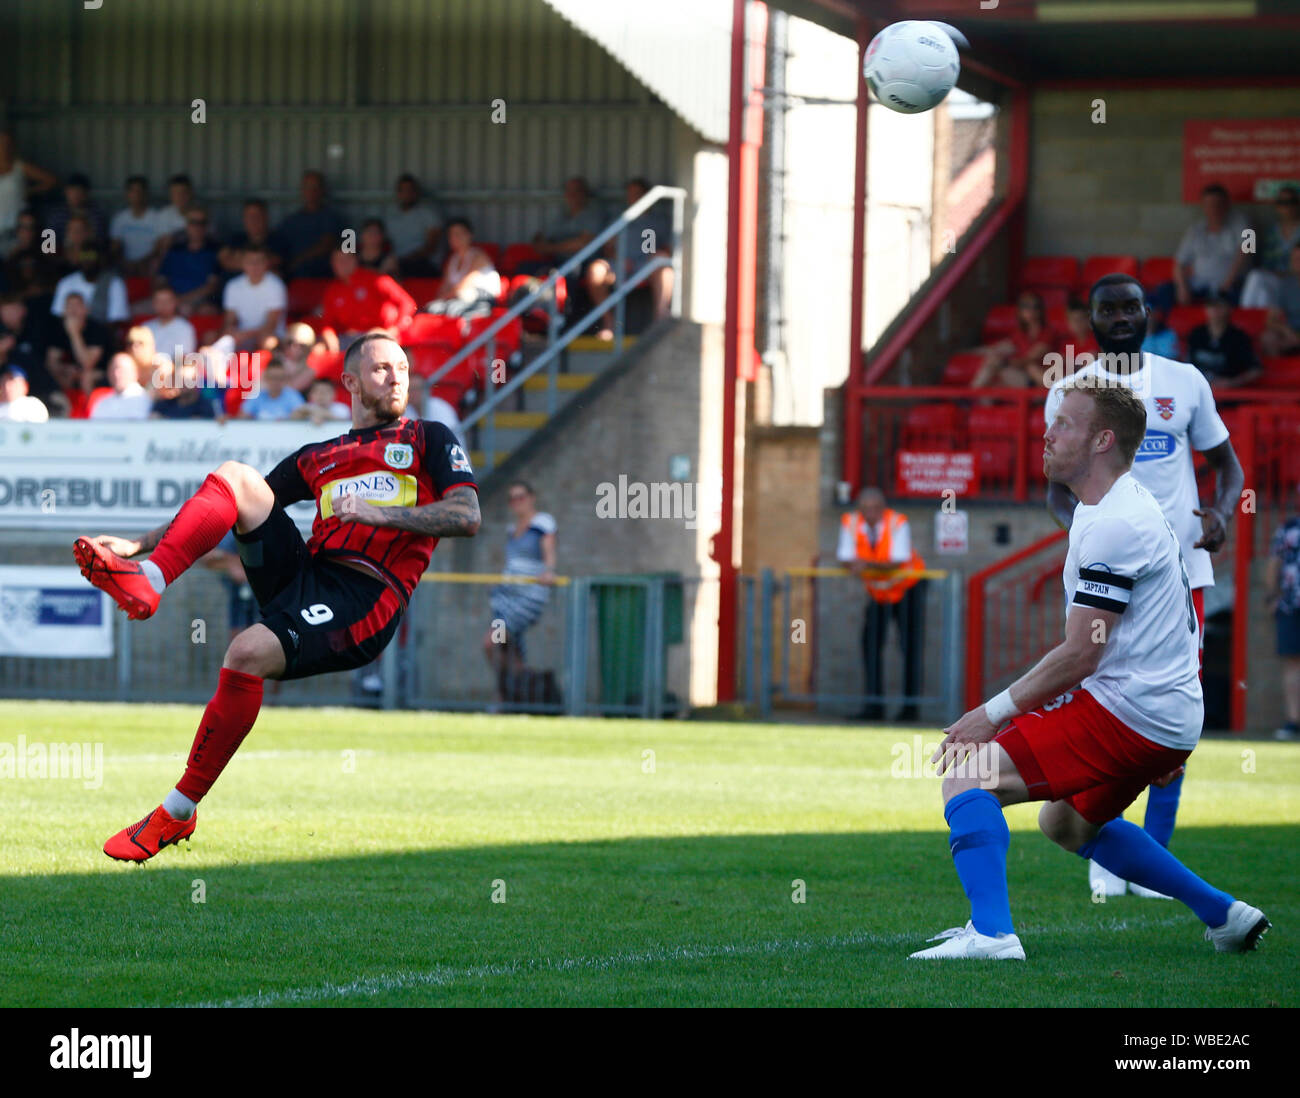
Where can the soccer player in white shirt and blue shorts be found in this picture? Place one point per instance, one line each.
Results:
(1181, 418)
(1116, 705)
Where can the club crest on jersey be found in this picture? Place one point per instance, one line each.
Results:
(398, 455)
(1165, 406)
(459, 459)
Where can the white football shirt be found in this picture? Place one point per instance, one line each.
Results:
(1124, 557)
(1181, 417)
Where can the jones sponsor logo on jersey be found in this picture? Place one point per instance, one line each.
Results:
(382, 488)
(399, 455)
(1156, 445)
(1165, 406)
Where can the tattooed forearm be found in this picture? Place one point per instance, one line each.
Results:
(456, 515)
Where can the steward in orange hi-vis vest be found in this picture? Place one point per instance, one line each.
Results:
(882, 590)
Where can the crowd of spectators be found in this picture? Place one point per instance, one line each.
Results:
(66, 312)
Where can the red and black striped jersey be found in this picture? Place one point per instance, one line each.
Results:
(407, 463)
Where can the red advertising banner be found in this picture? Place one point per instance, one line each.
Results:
(1248, 156)
(922, 473)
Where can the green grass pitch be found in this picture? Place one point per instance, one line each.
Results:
(353, 858)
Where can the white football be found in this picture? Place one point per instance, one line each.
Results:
(911, 66)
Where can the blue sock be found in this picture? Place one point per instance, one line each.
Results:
(1162, 809)
(979, 842)
(1129, 852)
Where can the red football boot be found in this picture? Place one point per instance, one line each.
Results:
(141, 841)
(121, 578)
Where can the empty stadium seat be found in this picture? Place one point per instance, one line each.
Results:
(493, 252)
(1056, 318)
(423, 290)
(431, 328)
(1183, 318)
(993, 441)
(931, 427)
(138, 288)
(306, 295)
(1156, 270)
(1250, 321)
(1000, 323)
(1281, 373)
(516, 254)
(1049, 271)
(1097, 266)
(1054, 298)
(204, 323)
(961, 368)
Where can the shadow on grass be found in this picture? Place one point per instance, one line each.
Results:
(706, 920)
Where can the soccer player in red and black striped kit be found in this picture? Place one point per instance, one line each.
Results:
(385, 491)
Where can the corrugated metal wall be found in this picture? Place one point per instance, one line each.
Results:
(363, 89)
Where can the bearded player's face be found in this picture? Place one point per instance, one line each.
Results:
(383, 380)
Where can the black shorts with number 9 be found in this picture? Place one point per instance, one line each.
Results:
(327, 616)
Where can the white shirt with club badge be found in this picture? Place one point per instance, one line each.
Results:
(1124, 557)
(1181, 417)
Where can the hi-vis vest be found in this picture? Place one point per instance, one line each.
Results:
(882, 590)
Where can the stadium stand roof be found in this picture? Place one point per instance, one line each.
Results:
(1056, 40)
(689, 72)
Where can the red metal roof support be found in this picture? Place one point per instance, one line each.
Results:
(853, 401)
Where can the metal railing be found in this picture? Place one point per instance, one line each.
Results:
(546, 295)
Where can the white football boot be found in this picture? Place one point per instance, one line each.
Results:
(967, 943)
(1242, 932)
(1102, 882)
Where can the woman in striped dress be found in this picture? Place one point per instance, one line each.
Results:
(530, 551)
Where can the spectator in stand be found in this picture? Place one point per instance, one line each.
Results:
(320, 406)
(1281, 334)
(190, 267)
(16, 404)
(1160, 339)
(143, 351)
(19, 181)
(187, 400)
(76, 202)
(422, 404)
(275, 400)
(359, 301)
(1210, 259)
(572, 231)
(172, 333)
(256, 232)
(1017, 361)
(295, 352)
(28, 270)
(103, 291)
(171, 218)
(255, 303)
(311, 232)
(1080, 339)
(125, 397)
(1280, 240)
(77, 350)
(415, 229)
(649, 234)
(22, 342)
(1221, 350)
(373, 249)
(1282, 596)
(470, 284)
(133, 232)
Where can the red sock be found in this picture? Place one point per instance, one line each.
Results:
(227, 720)
(198, 527)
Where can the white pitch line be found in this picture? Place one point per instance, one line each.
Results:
(446, 975)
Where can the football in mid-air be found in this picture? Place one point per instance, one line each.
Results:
(911, 66)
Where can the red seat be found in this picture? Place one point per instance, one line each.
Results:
(423, 290)
(1047, 271)
(306, 295)
(204, 323)
(1097, 266)
(1281, 373)
(993, 440)
(1183, 318)
(1057, 316)
(493, 252)
(1054, 298)
(962, 368)
(425, 358)
(138, 288)
(1000, 323)
(326, 364)
(507, 340)
(931, 427)
(1156, 270)
(516, 254)
(242, 377)
(1250, 321)
(431, 328)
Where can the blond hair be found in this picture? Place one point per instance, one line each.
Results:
(1115, 408)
